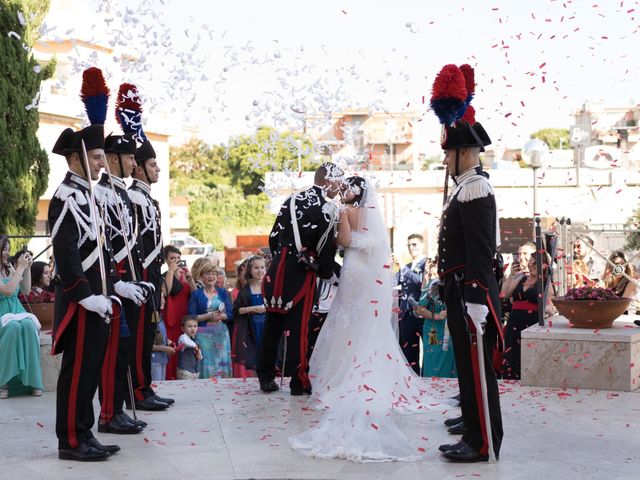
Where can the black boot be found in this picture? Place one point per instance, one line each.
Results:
(450, 422)
(110, 449)
(150, 404)
(168, 401)
(139, 423)
(269, 386)
(119, 425)
(83, 453)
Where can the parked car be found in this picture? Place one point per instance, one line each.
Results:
(190, 253)
(182, 240)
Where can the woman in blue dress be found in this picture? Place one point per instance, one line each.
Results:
(213, 309)
(437, 350)
(19, 331)
(248, 320)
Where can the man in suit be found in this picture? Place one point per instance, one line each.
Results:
(290, 283)
(409, 279)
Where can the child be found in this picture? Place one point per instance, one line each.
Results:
(162, 348)
(189, 354)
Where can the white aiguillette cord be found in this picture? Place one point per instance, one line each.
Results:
(94, 217)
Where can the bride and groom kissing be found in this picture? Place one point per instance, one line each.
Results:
(357, 371)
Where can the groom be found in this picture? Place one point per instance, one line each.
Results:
(289, 286)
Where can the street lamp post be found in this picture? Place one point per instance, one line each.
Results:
(533, 153)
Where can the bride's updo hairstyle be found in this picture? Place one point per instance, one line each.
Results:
(358, 186)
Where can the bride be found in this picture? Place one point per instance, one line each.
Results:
(358, 372)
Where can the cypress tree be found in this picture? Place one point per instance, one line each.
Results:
(24, 166)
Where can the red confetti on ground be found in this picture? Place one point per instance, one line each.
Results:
(374, 426)
(420, 449)
(39, 424)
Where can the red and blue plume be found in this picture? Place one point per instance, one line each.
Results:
(129, 111)
(449, 94)
(95, 95)
(469, 115)
(469, 81)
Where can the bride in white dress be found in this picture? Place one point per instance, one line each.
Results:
(358, 372)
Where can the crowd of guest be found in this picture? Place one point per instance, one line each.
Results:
(210, 329)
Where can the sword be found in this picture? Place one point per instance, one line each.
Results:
(133, 276)
(284, 357)
(483, 377)
(483, 388)
(94, 217)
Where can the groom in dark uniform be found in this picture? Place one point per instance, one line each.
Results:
(290, 283)
(467, 247)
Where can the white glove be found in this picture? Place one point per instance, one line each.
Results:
(478, 314)
(130, 291)
(333, 280)
(98, 304)
(186, 341)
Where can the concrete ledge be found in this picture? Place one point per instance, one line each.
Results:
(50, 364)
(558, 355)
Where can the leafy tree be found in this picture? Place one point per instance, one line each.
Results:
(555, 138)
(225, 208)
(23, 163)
(250, 157)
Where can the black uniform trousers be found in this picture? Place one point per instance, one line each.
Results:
(296, 363)
(143, 332)
(113, 378)
(468, 377)
(83, 343)
(410, 333)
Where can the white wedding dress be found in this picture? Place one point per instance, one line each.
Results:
(358, 372)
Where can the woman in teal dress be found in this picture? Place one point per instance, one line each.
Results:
(437, 349)
(19, 331)
(213, 309)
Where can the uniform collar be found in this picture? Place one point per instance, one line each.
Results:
(72, 177)
(477, 170)
(117, 181)
(140, 185)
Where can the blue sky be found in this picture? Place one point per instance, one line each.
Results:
(231, 66)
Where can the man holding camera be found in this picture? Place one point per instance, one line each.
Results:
(303, 248)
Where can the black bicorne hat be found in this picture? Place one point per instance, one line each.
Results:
(464, 135)
(93, 137)
(64, 144)
(120, 144)
(145, 152)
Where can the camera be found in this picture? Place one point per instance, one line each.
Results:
(618, 269)
(182, 263)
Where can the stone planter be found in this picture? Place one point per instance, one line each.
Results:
(591, 313)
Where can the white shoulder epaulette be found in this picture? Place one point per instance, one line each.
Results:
(475, 187)
(65, 191)
(103, 194)
(137, 197)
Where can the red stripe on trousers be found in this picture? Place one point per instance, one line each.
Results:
(71, 310)
(476, 381)
(75, 380)
(139, 345)
(304, 329)
(109, 368)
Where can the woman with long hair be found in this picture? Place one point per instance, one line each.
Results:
(19, 330)
(522, 289)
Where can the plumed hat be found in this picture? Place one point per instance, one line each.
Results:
(120, 144)
(64, 143)
(129, 116)
(95, 96)
(451, 95)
